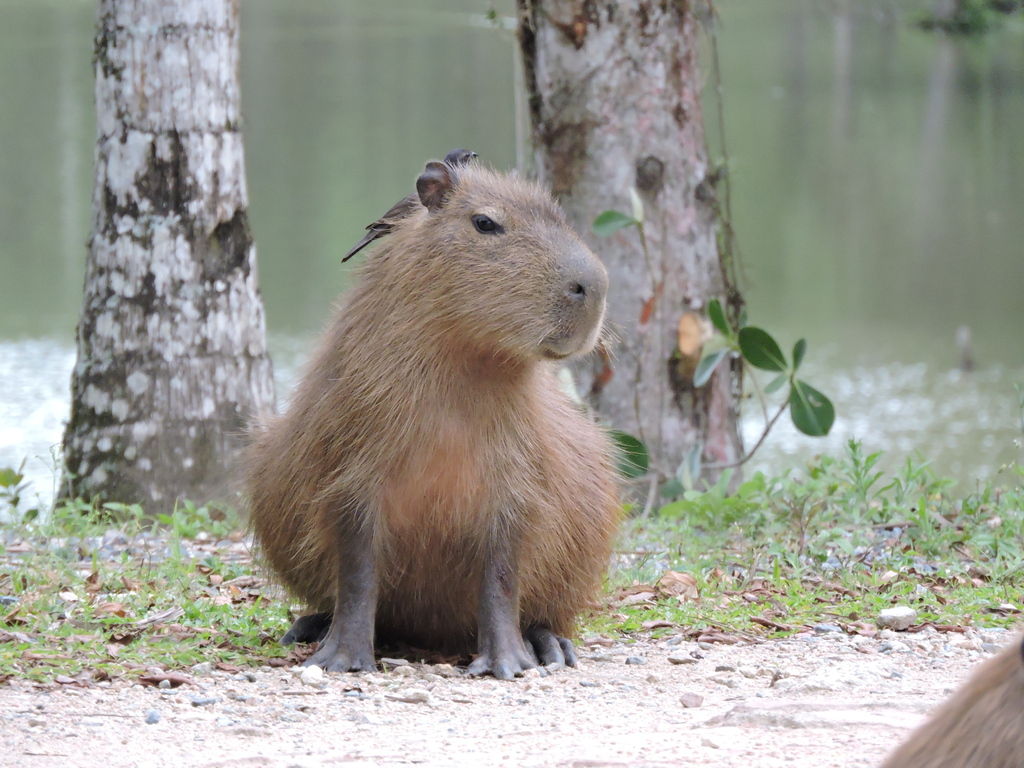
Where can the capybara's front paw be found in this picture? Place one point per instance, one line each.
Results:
(503, 667)
(333, 656)
(507, 657)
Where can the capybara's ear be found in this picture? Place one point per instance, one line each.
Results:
(434, 184)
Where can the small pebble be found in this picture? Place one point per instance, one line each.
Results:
(412, 696)
(312, 675)
(589, 684)
(728, 682)
(725, 668)
(898, 618)
(824, 629)
(678, 658)
(636, 660)
(386, 662)
(203, 669)
(152, 717)
(893, 646)
(204, 701)
(691, 700)
(164, 684)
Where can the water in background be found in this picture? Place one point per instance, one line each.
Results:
(877, 176)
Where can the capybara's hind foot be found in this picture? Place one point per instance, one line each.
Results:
(554, 652)
(311, 628)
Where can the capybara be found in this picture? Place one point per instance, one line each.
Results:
(431, 481)
(980, 726)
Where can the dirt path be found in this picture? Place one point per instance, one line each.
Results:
(836, 701)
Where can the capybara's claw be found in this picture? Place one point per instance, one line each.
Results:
(331, 657)
(554, 652)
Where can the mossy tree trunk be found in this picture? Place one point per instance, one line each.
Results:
(172, 355)
(613, 89)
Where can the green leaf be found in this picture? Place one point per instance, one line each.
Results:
(688, 472)
(812, 412)
(761, 350)
(717, 342)
(674, 509)
(798, 353)
(717, 316)
(633, 460)
(8, 477)
(610, 222)
(671, 488)
(638, 205)
(707, 366)
(775, 383)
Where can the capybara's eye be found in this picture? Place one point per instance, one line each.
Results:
(486, 225)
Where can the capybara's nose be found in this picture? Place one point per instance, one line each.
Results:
(586, 280)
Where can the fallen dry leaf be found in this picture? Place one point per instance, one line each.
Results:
(160, 618)
(657, 624)
(113, 609)
(637, 598)
(175, 679)
(862, 628)
(1003, 609)
(676, 584)
(771, 624)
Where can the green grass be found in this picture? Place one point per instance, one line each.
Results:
(832, 543)
(78, 615)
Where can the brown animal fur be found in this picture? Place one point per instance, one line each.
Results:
(980, 726)
(430, 420)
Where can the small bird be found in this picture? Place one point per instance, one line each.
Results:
(404, 208)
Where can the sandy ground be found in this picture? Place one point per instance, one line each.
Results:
(822, 700)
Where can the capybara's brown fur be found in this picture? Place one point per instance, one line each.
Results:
(430, 429)
(980, 726)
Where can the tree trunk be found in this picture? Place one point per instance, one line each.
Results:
(172, 357)
(613, 89)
